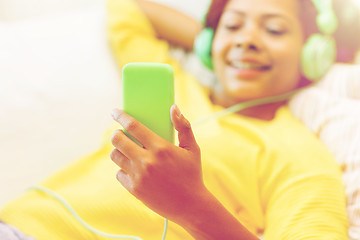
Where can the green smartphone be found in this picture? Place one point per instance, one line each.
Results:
(148, 94)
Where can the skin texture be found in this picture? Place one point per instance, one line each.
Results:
(142, 173)
(168, 178)
(261, 33)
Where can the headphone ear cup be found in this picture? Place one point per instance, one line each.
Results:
(202, 46)
(318, 55)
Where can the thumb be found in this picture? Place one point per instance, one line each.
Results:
(185, 133)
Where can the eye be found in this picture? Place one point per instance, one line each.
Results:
(275, 31)
(232, 27)
(231, 21)
(275, 27)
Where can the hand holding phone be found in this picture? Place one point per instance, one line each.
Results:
(158, 168)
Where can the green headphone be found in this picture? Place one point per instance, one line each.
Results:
(319, 51)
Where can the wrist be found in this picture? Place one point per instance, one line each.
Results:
(197, 216)
(194, 210)
(207, 219)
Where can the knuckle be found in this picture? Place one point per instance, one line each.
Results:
(161, 152)
(187, 125)
(113, 154)
(146, 172)
(149, 170)
(115, 139)
(197, 150)
(131, 125)
(135, 190)
(137, 187)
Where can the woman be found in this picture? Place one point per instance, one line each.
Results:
(260, 172)
(256, 53)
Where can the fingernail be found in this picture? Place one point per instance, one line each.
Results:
(177, 111)
(115, 114)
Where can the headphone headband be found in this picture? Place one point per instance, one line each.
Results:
(326, 19)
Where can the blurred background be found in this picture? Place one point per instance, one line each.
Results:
(59, 84)
(14, 10)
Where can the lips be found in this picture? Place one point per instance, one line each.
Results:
(249, 65)
(247, 69)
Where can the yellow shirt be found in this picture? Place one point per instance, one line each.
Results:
(275, 177)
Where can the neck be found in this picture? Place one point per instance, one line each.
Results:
(264, 112)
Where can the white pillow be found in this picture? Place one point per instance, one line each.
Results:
(15, 10)
(196, 9)
(59, 83)
(331, 109)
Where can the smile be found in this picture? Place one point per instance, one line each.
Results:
(249, 66)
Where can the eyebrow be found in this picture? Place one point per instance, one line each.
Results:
(265, 16)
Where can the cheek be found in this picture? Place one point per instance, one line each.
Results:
(218, 51)
(287, 51)
(287, 63)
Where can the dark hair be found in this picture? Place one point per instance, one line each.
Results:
(347, 35)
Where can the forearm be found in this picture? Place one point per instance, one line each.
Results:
(208, 219)
(171, 25)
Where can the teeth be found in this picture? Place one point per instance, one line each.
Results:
(246, 66)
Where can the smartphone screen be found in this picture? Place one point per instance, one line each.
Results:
(148, 94)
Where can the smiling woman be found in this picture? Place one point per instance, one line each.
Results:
(258, 172)
(279, 27)
(251, 49)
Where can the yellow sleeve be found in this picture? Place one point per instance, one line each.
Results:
(317, 213)
(132, 37)
(305, 200)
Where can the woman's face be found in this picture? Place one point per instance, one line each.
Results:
(257, 47)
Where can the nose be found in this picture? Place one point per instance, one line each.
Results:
(249, 38)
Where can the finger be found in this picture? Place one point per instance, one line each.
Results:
(185, 133)
(125, 179)
(141, 133)
(121, 160)
(126, 146)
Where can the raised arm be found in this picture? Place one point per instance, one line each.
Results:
(171, 25)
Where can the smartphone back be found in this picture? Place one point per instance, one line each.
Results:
(148, 94)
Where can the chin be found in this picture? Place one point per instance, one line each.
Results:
(244, 93)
